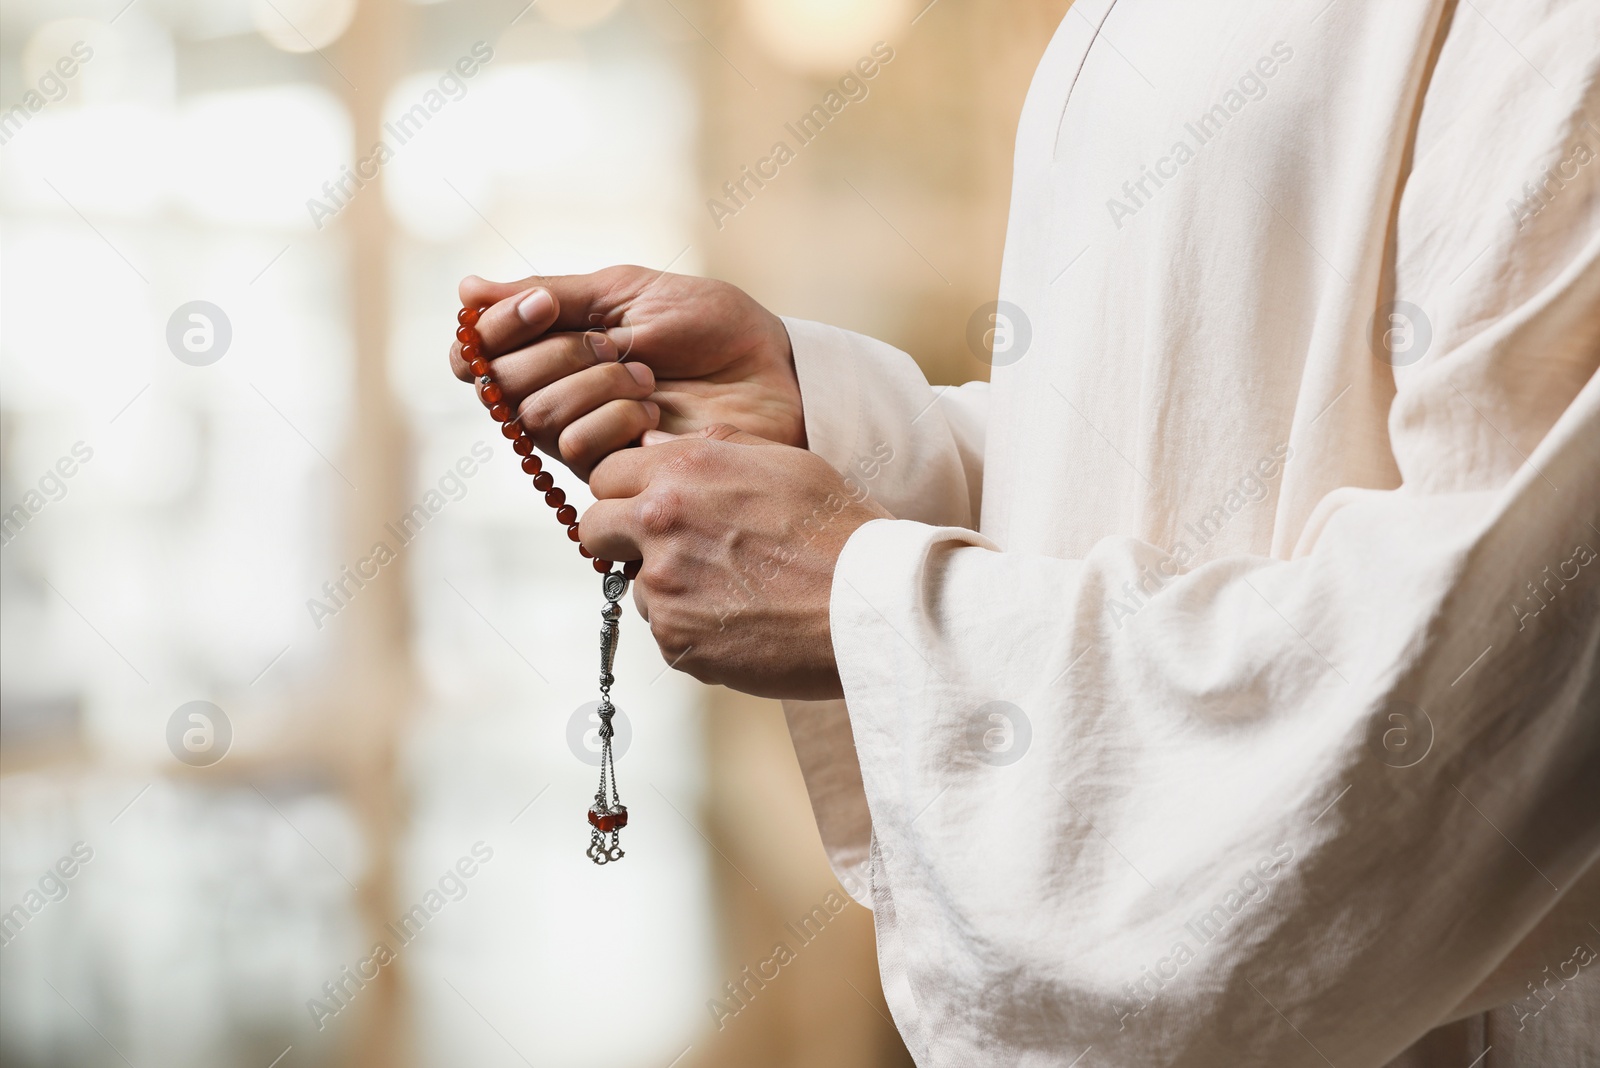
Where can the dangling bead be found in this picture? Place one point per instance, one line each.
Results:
(531, 465)
(499, 412)
(555, 497)
(602, 566)
(542, 482)
(604, 820)
(568, 515)
(524, 448)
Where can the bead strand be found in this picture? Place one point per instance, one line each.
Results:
(494, 399)
(608, 815)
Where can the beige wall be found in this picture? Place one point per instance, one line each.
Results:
(930, 149)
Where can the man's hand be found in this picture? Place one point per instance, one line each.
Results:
(739, 538)
(589, 362)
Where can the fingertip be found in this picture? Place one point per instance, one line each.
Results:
(458, 366)
(656, 437)
(536, 307)
(652, 411)
(601, 347)
(641, 374)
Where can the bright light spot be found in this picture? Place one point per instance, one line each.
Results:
(55, 55)
(302, 25)
(131, 61)
(824, 36)
(467, 143)
(253, 158)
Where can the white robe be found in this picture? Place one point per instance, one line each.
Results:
(1288, 610)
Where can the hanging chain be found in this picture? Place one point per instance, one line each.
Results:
(608, 815)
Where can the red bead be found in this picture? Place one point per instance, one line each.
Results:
(531, 465)
(620, 814)
(471, 351)
(500, 412)
(631, 568)
(523, 447)
(602, 819)
(465, 334)
(479, 367)
(467, 316)
(602, 566)
(585, 553)
(567, 516)
(512, 431)
(542, 481)
(572, 528)
(556, 497)
(492, 394)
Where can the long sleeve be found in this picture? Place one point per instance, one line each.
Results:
(918, 449)
(1359, 777)
(1184, 767)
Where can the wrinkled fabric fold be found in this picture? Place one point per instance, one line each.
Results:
(1225, 690)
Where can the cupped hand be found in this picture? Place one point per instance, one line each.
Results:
(590, 362)
(739, 538)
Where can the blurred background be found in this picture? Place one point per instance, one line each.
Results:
(228, 769)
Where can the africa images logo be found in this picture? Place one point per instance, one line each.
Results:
(1000, 734)
(199, 734)
(199, 333)
(1401, 333)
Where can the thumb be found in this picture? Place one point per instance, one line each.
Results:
(478, 292)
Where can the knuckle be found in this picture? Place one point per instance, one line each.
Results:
(662, 577)
(661, 513)
(534, 413)
(574, 446)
